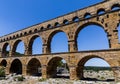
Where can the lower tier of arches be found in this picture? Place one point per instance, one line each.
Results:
(47, 65)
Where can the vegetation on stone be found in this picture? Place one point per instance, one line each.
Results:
(42, 79)
(2, 72)
(95, 68)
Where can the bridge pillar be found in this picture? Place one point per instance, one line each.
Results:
(10, 53)
(24, 69)
(72, 46)
(7, 69)
(44, 71)
(73, 73)
(113, 35)
(116, 71)
(45, 49)
(27, 52)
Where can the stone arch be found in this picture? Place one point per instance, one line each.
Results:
(3, 63)
(65, 22)
(15, 44)
(49, 26)
(35, 30)
(52, 66)
(115, 7)
(34, 67)
(100, 11)
(25, 33)
(75, 19)
(5, 53)
(31, 41)
(51, 35)
(87, 15)
(57, 24)
(30, 31)
(42, 28)
(16, 66)
(82, 61)
(85, 25)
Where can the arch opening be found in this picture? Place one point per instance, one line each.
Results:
(87, 15)
(6, 50)
(58, 42)
(91, 37)
(94, 68)
(34, 67)
(35, 45)
(18, 48)
(65, 22)
(115, 7)
(49, 26)
(101, 11)
(57, 68)
(75, 19)
(16, 67)
(57, 24)
(4, 63)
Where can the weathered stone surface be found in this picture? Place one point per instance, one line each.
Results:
(108, 21)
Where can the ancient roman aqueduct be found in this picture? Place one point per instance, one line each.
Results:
(105, 14)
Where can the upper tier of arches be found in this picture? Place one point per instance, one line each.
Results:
(73, 17)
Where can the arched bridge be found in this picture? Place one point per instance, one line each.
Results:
(105, 14)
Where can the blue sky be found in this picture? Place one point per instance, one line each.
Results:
(18, 14)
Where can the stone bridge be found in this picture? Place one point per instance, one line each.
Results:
(105, 14)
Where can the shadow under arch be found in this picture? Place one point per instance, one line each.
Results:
(53, 68)
(81, 66)
(16, 66)
(3, 63)
(31, 42)
(51, 36)
(15, 45)
(5, 52)
(34, 67)
(83, 26)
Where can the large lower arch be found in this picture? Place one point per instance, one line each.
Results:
(34, 67)
(3, 63)
(53, 69)
(91, 36)
(58, 42)
(16, 67)
(35, 49)
(81, 66)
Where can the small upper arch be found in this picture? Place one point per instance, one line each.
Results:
(87, 15)
(75, 19)
(57, 24)
(100, 11)
(41, 28)
(35, 30)
(115, 7)
(65, 21)
(30, 31)
(49, 26)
